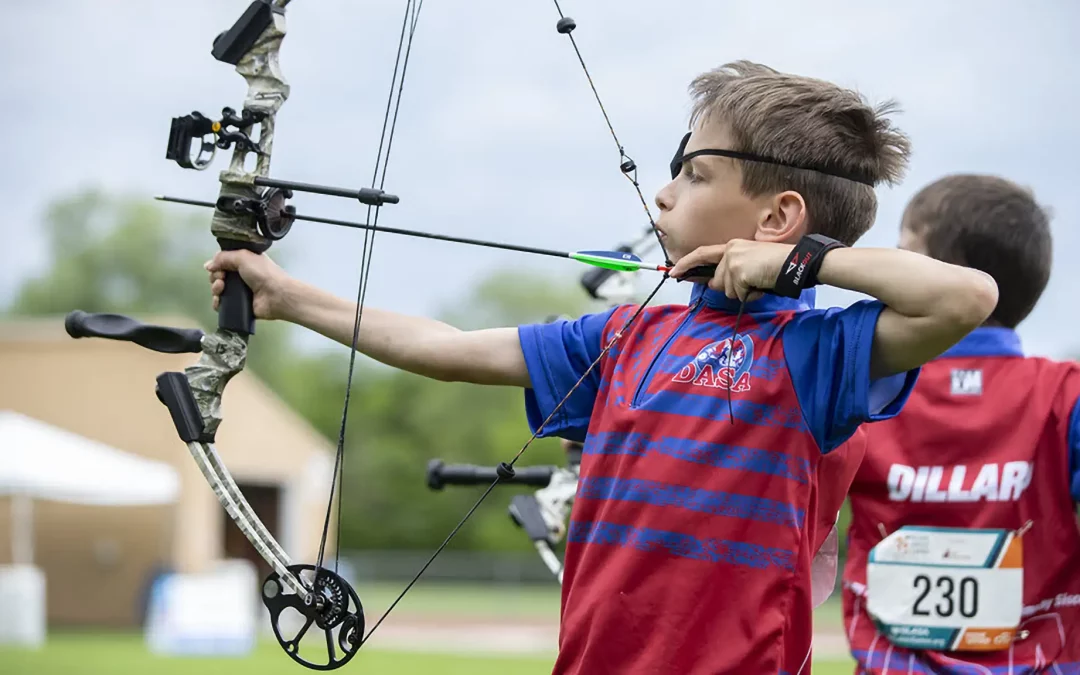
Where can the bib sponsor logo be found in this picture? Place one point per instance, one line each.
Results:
(991, 482)
(966, 382)
(910, 631)
(1059, 601)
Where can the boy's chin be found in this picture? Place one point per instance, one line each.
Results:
(674, 251)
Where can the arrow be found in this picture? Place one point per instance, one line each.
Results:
(612, 260)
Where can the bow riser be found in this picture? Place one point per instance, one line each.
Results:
(267, 92)
(224, 354)
(249, 214)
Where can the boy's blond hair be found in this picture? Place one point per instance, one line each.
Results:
(808, 122)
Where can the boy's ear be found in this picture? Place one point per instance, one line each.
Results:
(783, 218)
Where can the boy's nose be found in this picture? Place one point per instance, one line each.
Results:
(663, 198)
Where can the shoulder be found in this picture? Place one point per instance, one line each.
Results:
(1053, 368)
(1062, 378)
(837, 334)
(1056, 378)
(818, 318)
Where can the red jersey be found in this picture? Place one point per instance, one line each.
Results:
(693, 529)
(835, 475)
(989, 439)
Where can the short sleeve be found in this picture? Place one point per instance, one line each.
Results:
(828, 357)
(557, 354)
(1074, 452)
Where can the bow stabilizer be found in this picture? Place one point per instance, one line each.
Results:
(541, 515)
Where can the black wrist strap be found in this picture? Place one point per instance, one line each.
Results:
(800, 270)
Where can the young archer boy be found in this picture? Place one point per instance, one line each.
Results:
(694, 525)
(988, 446)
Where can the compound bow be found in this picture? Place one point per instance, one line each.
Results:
(251, 213)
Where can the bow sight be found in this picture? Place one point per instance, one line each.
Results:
(194, 139)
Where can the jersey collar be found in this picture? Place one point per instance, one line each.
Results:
(987, 341)
(767, 303)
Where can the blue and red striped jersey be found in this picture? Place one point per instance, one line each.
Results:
(695, 523)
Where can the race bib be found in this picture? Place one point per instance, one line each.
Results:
(947, 589)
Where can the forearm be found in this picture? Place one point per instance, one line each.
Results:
(415, 344)
(910, 284)
(930, 305)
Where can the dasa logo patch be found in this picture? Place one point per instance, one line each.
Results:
(711, 367)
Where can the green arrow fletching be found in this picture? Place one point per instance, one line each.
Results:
(612, 260)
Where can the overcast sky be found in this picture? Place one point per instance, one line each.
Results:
(499, 136)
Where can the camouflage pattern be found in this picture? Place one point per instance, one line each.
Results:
(267, 91)
(223, 356)
(232, 500)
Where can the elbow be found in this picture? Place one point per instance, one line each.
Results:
(973, 301)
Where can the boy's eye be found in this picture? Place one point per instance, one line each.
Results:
(688, 171)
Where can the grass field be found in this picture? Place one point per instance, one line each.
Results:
(104, 654)
(101, 653)
(533, 601)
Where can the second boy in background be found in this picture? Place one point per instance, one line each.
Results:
(989, 439)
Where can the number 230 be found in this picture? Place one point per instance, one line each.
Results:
(968, 596)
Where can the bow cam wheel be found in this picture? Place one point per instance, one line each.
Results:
(331, 606)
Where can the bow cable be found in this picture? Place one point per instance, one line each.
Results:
(382, 159)
(627, 165)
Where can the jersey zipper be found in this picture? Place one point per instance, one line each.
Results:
(648, 373)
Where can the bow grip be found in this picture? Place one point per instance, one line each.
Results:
(699, 272)
(236, 311)
(80, 324)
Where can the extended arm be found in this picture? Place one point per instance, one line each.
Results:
(419, 345)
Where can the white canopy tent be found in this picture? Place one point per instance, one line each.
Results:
(40, 461)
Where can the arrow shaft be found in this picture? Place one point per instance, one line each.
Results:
(395, 230)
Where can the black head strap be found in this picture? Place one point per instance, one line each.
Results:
(677, 162)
